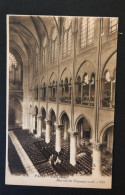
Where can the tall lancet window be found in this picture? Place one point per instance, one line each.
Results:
(67, 37)
(14, 70)
(53, 56)
(87, 31)
(44, 51)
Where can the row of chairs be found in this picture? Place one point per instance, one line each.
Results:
(15, 164)
(106, 166)
(46, 169)
(40, 152)
(27, 141)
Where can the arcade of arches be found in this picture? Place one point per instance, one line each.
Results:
(62, 92)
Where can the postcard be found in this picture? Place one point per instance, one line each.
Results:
(61, 76)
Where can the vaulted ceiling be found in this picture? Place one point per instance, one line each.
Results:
(26, 32)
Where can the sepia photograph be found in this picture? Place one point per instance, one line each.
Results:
(61, 78)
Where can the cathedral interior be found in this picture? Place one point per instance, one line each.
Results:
(62, 74)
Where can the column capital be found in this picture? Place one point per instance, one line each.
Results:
(48, 122)
(97, 146)
(58, 126)
(73, 133)
(39, 117)
(112, 78)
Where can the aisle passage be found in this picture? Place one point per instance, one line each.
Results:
(28, 165)
(15, 165)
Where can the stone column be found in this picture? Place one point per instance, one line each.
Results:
(13, 77)
(41, 123)
(102, 91)
(97, 160)
(89, 91)
(39, 126)
(81, 92)
(78, 139)
(48, 129)
(81, 129)
(73, 147)
(97, 80)
(19, 74)
(111, 98)
(58, 138)
(65, 130)
(33, 123)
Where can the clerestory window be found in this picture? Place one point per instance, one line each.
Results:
(67, 37)
(53, 46)
(87, 31)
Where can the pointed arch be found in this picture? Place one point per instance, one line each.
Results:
(84, 116)
(87, 67)
(53, 77)
(65, 73)
(52, 116)
(43, 112)
(104, 128)
(63, 112)
(107, 61)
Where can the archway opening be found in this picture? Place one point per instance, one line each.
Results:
(53, 120)
(15, 113)
(43, 114)
(107, 90)
(84, 132)
(107, 140)
(35, 114)
(108, 82)
(66, 125)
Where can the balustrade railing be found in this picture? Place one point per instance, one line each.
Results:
(107, 103)
(85, 101)
(65, 99)
(43, 98)
(52, 99)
